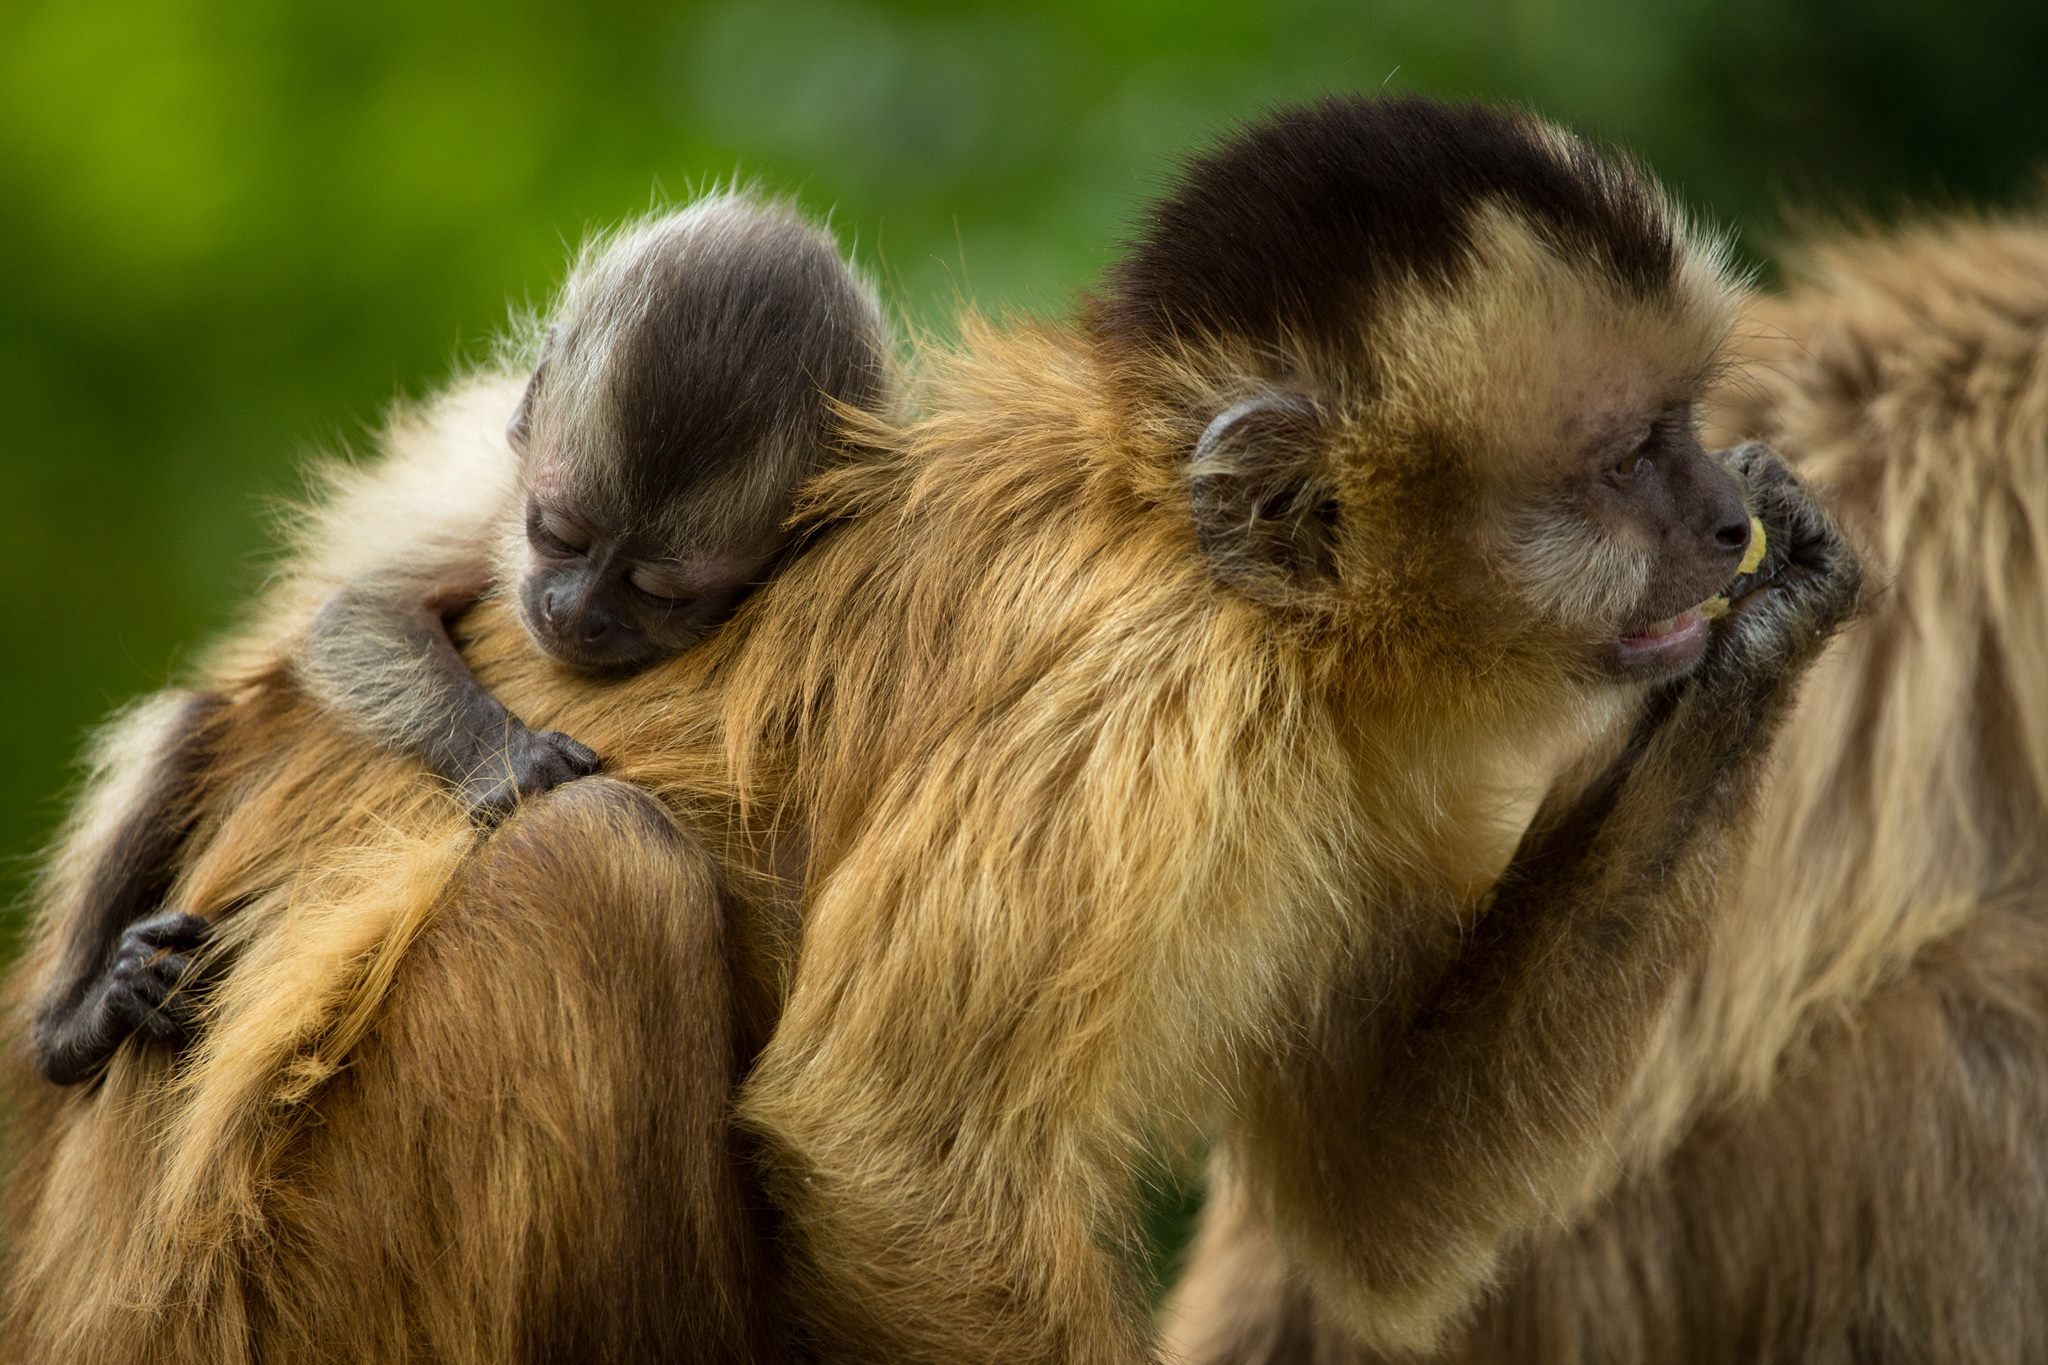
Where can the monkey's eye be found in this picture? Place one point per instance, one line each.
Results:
(1624, 470)
(554, 535)
(659, 588)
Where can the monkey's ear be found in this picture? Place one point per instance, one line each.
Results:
(1265, 514)
(520, 429)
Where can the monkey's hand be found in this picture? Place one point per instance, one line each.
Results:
(148, 988)
(529, 763)
(1807, 587)
(1704, 733)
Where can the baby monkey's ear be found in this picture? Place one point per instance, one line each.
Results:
(520, 429)
(1265, 511)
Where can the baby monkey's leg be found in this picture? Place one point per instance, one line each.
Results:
(125, 963)
(145, 989)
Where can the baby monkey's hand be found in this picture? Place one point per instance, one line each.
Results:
(531, 762)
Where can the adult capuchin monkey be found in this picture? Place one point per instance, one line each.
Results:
(1172, 678)
(690, 376)
(1837, 1150)
(1369, 489)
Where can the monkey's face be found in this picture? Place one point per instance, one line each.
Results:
(1562, 409)
(604, 600)
(1437, 364)
(1589, 555)
(1505, 476)
(1612, 554)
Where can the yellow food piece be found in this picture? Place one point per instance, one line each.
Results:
(1756, 551)
(1714, 608)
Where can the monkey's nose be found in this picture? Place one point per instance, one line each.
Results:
(1733, 532)
(547, 606)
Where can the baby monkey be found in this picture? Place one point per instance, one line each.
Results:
(686, 386)
(690, 377)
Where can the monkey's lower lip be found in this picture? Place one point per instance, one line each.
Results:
(1662, 648)
(1687, 622)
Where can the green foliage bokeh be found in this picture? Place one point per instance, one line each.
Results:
(231, 233)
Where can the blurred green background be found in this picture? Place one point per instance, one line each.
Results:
(231, 233)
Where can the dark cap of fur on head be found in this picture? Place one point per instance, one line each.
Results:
(1299, 222)
(703, 349)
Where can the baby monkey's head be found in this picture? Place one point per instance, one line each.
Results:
(690, 378)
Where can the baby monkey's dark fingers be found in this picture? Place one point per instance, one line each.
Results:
(166, 1009)
(491, 800)
(581, 758)
(170, 929)
(534, 761)
(156, 997)
(147, 941)
(548, 758)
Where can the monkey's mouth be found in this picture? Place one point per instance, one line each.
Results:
(1661, 649)
(1670, 631)
(616, 662)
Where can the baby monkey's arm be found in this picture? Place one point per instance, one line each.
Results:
(398, 548)
(379, 654)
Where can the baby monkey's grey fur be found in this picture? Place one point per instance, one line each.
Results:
(693, 371)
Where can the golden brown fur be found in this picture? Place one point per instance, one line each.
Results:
(1838, 1149)
(1087, 839)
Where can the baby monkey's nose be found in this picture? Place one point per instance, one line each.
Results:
(586, 626)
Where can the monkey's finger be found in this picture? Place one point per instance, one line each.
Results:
(491, 803)
(1797, 528)
(1754, 462)
(148, 1003)
(154, 981)
(579, 759)
(171, 930)
(130, 957)
(1812, 551)
(166, 1025)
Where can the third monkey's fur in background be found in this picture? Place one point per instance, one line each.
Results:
(693, 371)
